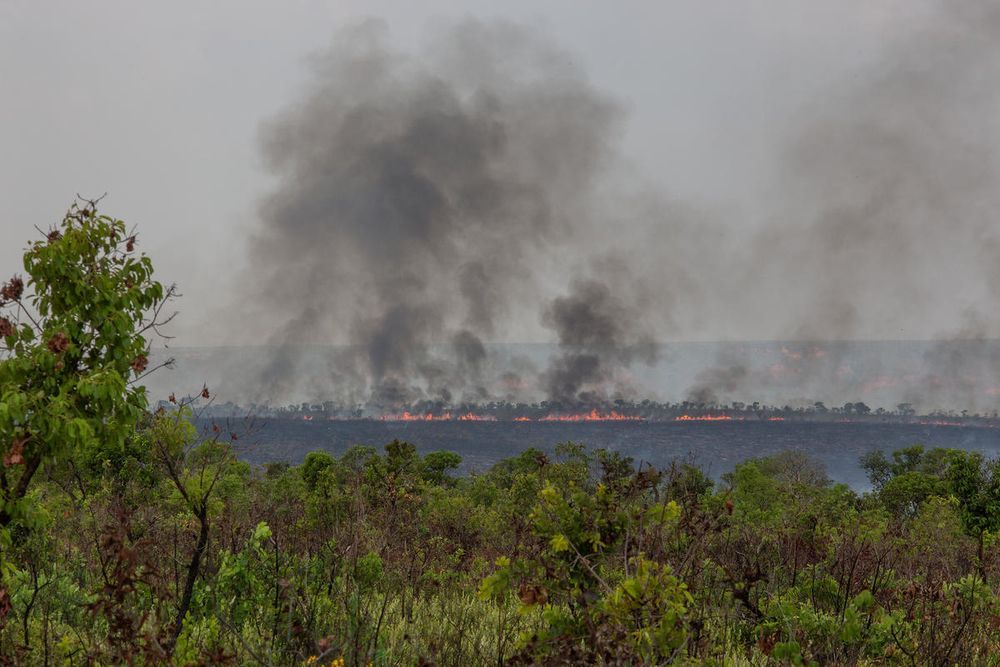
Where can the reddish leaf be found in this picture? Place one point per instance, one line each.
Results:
(58, 343)
(15, 455)
(140, 363)
(12, 289)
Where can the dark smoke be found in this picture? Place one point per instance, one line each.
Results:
(425, 204)
(418, 196)
(598, 333)
(725, 379)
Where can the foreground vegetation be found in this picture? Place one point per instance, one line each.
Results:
(128, 537)
(384, 558)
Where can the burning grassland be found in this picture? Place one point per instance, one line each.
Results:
(618, 412)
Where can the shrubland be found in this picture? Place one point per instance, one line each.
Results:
(129, 537)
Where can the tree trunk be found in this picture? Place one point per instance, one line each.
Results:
(194, 568)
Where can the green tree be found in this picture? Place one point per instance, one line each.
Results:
(314, 465)
(437, 465)
(976, 485)
(74, 345)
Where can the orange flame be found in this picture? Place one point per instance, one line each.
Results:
(410, 417)
(706, 418)
(470, 417)
(592, 416)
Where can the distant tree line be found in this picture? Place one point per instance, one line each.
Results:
(644, 409)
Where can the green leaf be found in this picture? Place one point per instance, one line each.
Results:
(559, 543)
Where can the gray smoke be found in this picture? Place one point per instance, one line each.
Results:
(725, 379)
(599, 334)
(417, 197)
(892, 186)
(962, 371)
(895, 174)
(425, 202)
(888, 217)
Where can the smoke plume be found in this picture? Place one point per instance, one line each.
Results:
(598, 333)
(417, 198)
(886, 214)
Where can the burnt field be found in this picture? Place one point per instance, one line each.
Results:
(714, 446)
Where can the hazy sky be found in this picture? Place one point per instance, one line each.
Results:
(160, 106)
